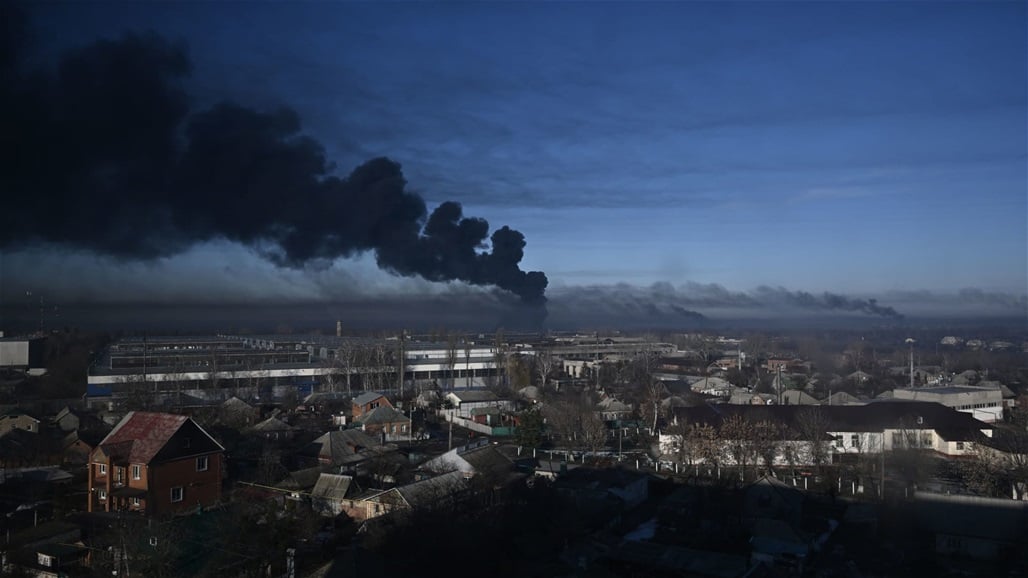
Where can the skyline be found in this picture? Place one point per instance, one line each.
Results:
(711, 158)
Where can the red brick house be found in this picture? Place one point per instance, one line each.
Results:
(155, 464)
(368, 401)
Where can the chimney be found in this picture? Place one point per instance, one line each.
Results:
(339, 328)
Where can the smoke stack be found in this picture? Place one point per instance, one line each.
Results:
(339, 328)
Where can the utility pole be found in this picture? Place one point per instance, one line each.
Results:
(910, 340)
(403, 334)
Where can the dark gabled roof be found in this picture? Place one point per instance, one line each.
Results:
(874, 416)
(382, 414)
(272, 424)
(431, 491)
(144, 437)
(367, 397)
(347, 446)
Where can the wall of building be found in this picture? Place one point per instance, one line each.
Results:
(199, 488)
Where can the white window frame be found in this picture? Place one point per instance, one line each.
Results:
(137, 472)
(136, 502)
(181, 494)
(202, 463)
(102, 469)
(101, 495)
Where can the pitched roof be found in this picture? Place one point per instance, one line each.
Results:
(874, 416)
(333, 486)
(141, 436)
(348, 446)
(272, 424)
(433, 490)
(382, 414)
(367, 397)
(473, 395)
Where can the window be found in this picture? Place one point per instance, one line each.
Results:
(101, 495)
(855, 440)
(838, 442)
(137, 472)
(176, 494)
(136, 502)
(201, 464)
(960, 446)
(44, 560)
(103, 469)
(926, 439)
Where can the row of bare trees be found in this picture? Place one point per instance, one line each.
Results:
(760, 443)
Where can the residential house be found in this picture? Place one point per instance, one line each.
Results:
(344, 449)
(442, 491)
(366, 402)
(843, 398)
(797, 397)
(387, 423)
(69, 420)
(972, 527)
(155, 464)
(273, 429)
(237, 413)
(76, 446)
(20, 421)
(478, 458)
(464, 401)
(332, 494)
(848, 429)
(612, 409)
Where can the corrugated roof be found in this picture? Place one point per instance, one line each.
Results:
(333, 486)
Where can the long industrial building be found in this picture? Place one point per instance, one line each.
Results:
(169, 369)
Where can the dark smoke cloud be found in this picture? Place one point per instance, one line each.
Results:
(664, 299)
(104, 155)
(825, 301)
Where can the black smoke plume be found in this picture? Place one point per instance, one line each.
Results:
(104, 155)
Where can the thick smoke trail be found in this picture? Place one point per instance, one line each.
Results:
(106, 156)
(826, 301)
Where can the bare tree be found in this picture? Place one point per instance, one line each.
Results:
(767, 442)
(544, 365)
(704, 443)
(813, 425)
(593, 431)
(652, 396)
(737, 434)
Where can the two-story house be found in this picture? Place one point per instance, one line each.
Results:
(367, 402)
(155, 464)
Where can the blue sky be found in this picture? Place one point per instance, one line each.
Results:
(866, 148)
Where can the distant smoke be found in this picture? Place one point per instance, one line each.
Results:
(106, 156)
(664, 299)
(826, 301)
